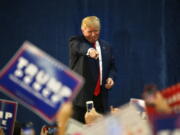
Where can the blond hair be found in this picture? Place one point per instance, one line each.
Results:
(91, 21)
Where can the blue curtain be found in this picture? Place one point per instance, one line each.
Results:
(143, 33)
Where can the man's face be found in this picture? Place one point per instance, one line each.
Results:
(91, 33)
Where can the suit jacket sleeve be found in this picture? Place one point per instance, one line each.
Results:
(78, 47)
(113, 69)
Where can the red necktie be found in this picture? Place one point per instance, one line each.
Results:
(98, 87)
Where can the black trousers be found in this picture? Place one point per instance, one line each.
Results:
(79, 112)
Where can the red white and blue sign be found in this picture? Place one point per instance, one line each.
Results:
(39, 81)
(8, 111)
(166, 124)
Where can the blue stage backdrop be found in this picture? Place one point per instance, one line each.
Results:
(143, 33)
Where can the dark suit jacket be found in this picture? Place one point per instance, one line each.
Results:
(88, 67)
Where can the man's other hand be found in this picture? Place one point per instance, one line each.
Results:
(109, 83)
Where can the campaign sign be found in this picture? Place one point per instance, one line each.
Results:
(8, 110)
(172, 96)
(166, 124)
(39, 81)
(138, 103)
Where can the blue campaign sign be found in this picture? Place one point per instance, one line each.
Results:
(8, 110)
(39, 81)
(166, 124)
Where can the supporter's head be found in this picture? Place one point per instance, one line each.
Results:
(149, 93)
(114, 109)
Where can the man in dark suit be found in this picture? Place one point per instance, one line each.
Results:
(93, 59)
